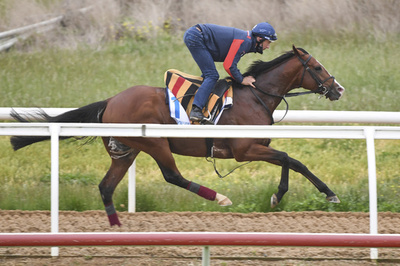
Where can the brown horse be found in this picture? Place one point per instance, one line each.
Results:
(145, 104)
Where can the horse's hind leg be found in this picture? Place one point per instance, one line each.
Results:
(122, 158)
(160, 151)
(174, 177)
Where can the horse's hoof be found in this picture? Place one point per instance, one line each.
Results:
(274, 201)
(333, 199)
(223, 200)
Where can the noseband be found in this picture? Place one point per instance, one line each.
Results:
(322, 90)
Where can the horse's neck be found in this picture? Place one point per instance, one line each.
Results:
(280, 80)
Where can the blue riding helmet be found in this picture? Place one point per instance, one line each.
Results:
(265, 31)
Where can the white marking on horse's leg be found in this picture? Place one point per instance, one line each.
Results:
(223, 200)
(333, 199)
(274, 201)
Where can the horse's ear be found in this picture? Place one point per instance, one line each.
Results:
(296, 52)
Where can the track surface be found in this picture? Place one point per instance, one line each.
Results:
(296, 222)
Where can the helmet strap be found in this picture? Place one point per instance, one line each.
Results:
(259, 47)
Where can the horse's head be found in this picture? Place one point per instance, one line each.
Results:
(316, 78)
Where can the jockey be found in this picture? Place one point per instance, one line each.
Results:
(209, 43)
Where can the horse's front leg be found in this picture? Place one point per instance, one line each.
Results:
(284, 183)
(259, 152)
(321, 186)
(300, 168)
(287, 162)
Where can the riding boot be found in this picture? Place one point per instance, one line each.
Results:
(196, 115)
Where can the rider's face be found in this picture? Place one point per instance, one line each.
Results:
(265, 44)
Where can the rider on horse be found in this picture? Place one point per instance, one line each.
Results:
(209, 43)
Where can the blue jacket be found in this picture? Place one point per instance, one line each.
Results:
(228, 45)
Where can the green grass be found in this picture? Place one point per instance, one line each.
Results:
(72, 78)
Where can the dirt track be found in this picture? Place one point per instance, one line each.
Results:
(96, 221)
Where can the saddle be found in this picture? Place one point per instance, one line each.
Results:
(184, 86)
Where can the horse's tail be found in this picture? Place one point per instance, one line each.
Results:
(91, 113)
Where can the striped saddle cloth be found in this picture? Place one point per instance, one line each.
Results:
(184, 86)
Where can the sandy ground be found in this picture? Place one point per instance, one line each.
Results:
(296, 222)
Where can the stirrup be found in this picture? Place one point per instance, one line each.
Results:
(207, 121)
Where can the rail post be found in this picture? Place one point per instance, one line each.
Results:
(205, 258)
(132, 187)
(373, 202)
(54, 139)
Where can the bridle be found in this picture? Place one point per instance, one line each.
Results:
(322, 90)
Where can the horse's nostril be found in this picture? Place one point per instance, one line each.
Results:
(340, 90)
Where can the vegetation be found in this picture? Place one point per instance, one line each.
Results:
(67, 70)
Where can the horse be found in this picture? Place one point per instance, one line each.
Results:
(251, 106)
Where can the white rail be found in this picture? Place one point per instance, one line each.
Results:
(198, 131)
(293, 116)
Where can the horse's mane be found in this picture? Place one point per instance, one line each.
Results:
(260, 66)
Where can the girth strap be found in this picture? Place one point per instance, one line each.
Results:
(209, 147)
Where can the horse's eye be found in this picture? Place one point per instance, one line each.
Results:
(318, 68)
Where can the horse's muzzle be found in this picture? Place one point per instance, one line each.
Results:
(336, 92)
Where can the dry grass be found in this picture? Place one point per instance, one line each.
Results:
(372, 18)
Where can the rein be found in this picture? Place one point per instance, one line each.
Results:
(212, 160)
(321, 89)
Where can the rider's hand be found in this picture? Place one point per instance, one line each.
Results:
(248, 81)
